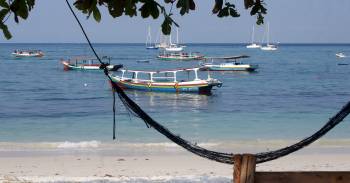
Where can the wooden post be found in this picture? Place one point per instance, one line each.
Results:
(244, 168)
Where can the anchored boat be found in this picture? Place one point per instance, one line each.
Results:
(268, 47)
(88, 63)
(166, 81)
(27, 53)
(230, 64)
(253, 44)
(180, 56)
(340, 55)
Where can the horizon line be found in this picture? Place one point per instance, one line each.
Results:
(286, 43)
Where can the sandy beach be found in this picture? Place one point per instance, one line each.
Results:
(157, 165)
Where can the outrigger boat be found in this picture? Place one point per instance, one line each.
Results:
(180, 56)
(231, 64)
(166, 81)
(27, 53)
(88, 63)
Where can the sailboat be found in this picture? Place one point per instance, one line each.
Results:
(253, 45)
(268, 47)
(149, 44)
(175, 47)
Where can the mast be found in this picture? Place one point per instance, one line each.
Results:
(268, 33)
(177, 35)
(149, 36)
(253, 34)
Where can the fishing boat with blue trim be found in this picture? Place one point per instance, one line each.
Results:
(232, 63)
(178, 80)
(88, 63)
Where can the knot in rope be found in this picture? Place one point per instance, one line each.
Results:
(104, 67)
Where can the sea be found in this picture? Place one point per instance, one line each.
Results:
(293, 93)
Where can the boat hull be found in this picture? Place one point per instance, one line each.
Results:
(181, 58)
(168, 87)
(249, 68)
(67, 66)
(253, 46)
(27, 55)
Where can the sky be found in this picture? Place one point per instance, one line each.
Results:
(291, 21)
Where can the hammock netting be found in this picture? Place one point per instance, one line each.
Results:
(221, 157)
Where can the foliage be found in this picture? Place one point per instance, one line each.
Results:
(116, 8)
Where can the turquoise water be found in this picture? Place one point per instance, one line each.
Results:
(294, 92)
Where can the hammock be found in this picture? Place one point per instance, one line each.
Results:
(221, 157)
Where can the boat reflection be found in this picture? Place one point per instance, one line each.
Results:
(180, 101)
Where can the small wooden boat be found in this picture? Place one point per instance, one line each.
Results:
(180, 56)
(230, 64)
(27, 53)
(88, 63)
(166, 81)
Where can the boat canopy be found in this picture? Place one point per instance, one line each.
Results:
(152, 73)
(229, 57)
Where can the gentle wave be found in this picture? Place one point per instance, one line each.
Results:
(83, 144)
(224, 145)
(124, 179)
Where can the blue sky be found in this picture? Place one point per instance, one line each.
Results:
(296, 21)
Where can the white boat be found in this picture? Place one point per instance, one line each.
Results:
(28, 53)
(340, 55)
(149, 44)
(252, 44)
(172, 47)
(176, 81)
(268, 47)
(230, 64)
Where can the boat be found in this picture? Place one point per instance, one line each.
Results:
(88, 63)
(180, 56)
(175, 81)
(231, 63)
(268, 47)
(340, 55)
(172, 46)
(252, 44)
(27, 53)
(149, 44)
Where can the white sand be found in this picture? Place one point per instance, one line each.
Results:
(92, 166)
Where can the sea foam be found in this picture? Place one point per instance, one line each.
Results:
(77, 145)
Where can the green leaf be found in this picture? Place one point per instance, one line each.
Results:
(255, 9)
(166, 26)
(97, 14)
(4, 4)
(145, 10)
(115, 8)
(3, 13)
(5, 31)
(30, 4)
(217, 6)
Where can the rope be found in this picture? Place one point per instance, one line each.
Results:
(103, 65)
(221, 157)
